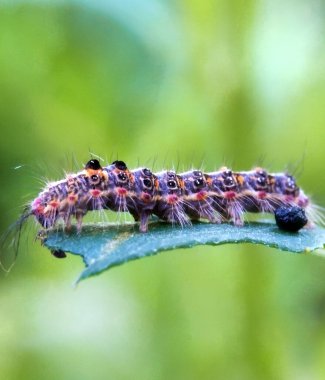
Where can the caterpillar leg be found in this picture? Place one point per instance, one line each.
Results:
(144, 218)
(67, 222)
(201, 209)
(236, 213)
(237, 221)
(211, 216)
(79, 217)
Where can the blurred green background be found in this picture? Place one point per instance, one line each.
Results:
(162, 83)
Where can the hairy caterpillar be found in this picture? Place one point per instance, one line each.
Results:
(221, 196)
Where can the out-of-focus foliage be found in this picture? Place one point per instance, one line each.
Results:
(162, 83)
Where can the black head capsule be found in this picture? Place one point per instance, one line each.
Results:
(291, 218)
(120, 165)
(93, 164)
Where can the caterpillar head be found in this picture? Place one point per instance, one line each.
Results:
(45, 210)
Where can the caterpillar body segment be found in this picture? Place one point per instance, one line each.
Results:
(217, 197)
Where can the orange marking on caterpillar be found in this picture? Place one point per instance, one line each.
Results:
(240, 179)
(201, 195)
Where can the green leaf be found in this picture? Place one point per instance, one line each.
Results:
(103, 246)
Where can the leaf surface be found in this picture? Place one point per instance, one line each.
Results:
(103, 246)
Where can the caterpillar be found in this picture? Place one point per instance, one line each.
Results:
(220, 196)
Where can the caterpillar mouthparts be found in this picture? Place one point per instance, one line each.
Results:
(219, 196)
